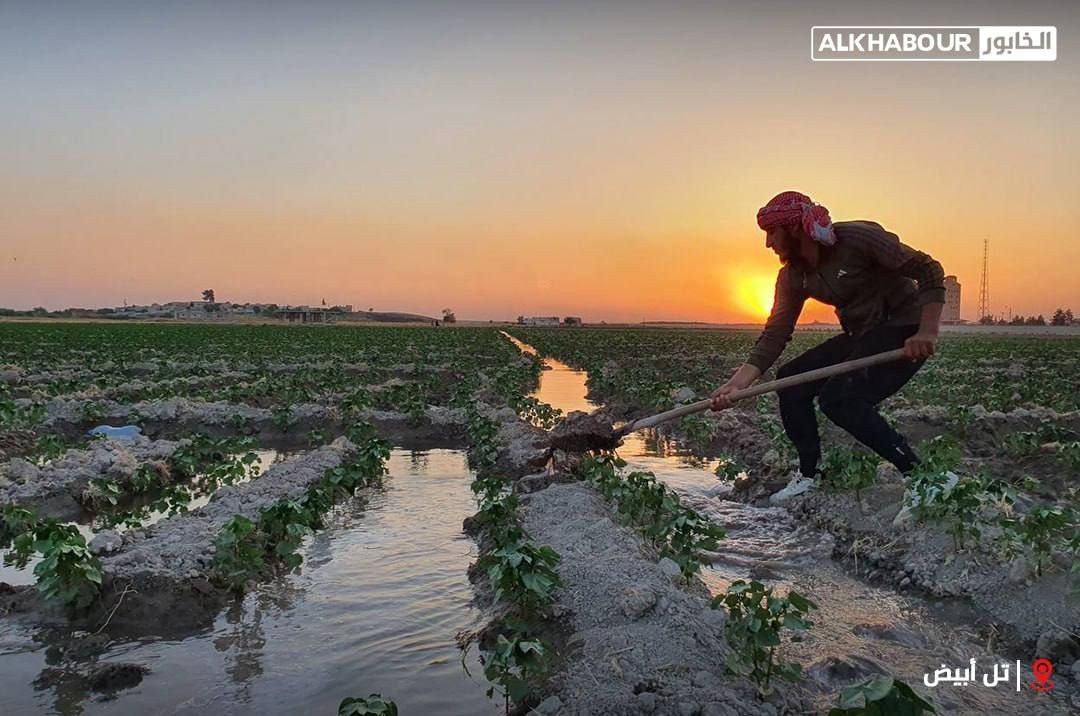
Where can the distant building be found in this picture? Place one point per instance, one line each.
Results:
(310, 314)
(951, 314)
(542, 321)
(224, 310)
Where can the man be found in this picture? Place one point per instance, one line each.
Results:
(886, 295)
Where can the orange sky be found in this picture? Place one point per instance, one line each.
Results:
(572, 159)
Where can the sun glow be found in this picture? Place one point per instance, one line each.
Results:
(754, 293)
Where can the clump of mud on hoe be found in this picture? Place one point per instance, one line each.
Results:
(583, 432)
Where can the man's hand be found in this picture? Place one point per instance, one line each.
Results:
(743, 377)
(920, 346)
(720, 399)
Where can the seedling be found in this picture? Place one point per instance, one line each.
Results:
(91, 412)
(881, 696)
(1042, 530)
(845, 469)
(484, 452)
(511, 665)
(282, 417)
(67, 572)
(523, 572)
(727, 469)
(497, 508)
(374, 705)
(102, 491)
(698, 430)
(238, 553)
(48, 447)
(284, 525)
(756, 619)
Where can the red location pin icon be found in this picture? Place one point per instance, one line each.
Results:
(1042, 668)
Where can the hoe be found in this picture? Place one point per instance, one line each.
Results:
(581, 432)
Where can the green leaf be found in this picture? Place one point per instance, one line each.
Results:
(793, 622)
(878, 688)
(800, 602)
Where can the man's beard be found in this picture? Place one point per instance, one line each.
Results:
(789, 254)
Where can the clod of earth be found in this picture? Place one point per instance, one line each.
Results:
(114, 677)
(582, 432)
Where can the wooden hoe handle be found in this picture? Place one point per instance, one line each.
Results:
(768, 387)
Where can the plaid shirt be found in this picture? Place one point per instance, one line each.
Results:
(869, 275)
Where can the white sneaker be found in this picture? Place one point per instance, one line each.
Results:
(799, 485)
(911, 500)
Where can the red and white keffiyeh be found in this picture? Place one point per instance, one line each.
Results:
(791, 208)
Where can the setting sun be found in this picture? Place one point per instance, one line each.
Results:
(754, 293)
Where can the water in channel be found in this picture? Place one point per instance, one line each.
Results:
(89, 523)
(374, 608)
(859, 630)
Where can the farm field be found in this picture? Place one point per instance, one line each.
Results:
(293, 481)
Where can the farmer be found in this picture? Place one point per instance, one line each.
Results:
(887, 295)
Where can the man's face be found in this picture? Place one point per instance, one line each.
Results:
(782, 240)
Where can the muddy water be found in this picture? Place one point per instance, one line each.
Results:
(860, 630)
(375, 607)
(87, 528)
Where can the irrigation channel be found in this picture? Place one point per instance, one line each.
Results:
(87, 521)
(859, 630)
(375, 607)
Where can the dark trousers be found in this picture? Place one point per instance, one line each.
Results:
(849, 400)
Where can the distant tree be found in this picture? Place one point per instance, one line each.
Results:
(324, 302)
(370, 310)
(105, 311)
(448, 315)
(987, 320)
(208, 295)
(40, 311)
(1017, 320)
(1000, 321)
(521, 320)
(1062, 317)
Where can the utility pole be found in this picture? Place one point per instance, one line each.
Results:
(984, 286)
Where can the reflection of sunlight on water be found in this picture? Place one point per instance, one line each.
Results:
(560, 387)
(523, 347)
(564, 389)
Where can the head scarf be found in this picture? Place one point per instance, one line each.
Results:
(791, 208)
